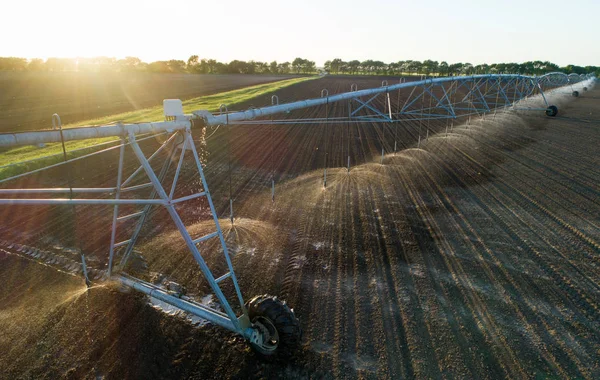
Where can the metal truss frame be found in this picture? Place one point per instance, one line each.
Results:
(161, 194)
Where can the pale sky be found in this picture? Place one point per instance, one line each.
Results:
(475, 31)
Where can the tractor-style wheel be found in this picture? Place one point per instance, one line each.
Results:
(575, 94)
(552, 111)
(280, 329)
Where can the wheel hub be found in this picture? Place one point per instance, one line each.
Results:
(269, 337)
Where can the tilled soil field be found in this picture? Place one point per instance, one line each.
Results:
(28, 100)
(473, 256)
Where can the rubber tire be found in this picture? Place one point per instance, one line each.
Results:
(575, 94)
(284, 320)
(552, 111)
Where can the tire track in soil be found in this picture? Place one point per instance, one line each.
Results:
(563, 283)
(558, 240)
(483, 364)
(530, 164)
(390, 301)
(528, 204)
(551, 155)
(417, 342)
(347, 261)
(570, 134)
(345, 334)
(536, 290)
(294, 265)
(470, 239)
(438, 207)
(297, 287)
(345, 339)
(550, 161)
(396, 368)
(443, 329)
(365, 347)
(558, 220)
(482, 318)
(326, 285)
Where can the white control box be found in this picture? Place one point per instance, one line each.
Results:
(172, 108)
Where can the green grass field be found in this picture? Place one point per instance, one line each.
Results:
(26, 158)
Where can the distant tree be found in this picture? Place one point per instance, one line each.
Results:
(353, 66)
(159, 67)
(327, 66)
(220, 68)
(588, 69)
(574, 69)
(394, 68)
(176, 65)
(551, 67)
(443, 68)
(481, 69)
(514, 68)
(273, 67)
(298, 64)
(414, 67)
(53, 64)
(250, 68)
(236, 67)
(143, 67)
(309, 66)
(202, 67)
(367, 66)
(129, 64)
(192, 63)
(499, 67)
(430, 66)
(455, 68)
(35, 64)
(262, 67)
(133, 61)
(284, 68)
(526, 67)
(60, 64)
(213, 66)
(538, 68)
(344, 67)
(405, 66)
(336, 65)
(12, 63)
(380, 67)
(467, 69)
(101, 64)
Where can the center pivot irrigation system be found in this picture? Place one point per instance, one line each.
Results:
(266, 322)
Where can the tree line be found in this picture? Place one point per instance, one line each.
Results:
(298, 66)
(429, 67)
(193, 65)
